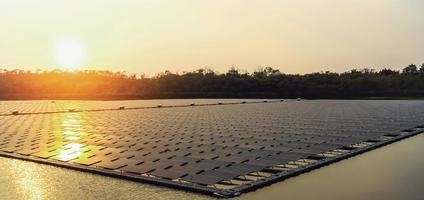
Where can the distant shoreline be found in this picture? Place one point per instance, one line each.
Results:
(266, 83)
(136, 97)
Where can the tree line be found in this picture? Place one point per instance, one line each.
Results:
(265, 82)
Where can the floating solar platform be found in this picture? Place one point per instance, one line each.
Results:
(221, 148)
(55, 106)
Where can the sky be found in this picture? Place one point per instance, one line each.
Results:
(150, 36)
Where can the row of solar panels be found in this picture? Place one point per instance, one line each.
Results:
(25, 107)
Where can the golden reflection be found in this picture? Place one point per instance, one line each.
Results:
(68, 155)
(73, 138)
(70, 133)
(29, 182)
(69, 136)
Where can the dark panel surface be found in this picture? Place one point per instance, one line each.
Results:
(216, 149)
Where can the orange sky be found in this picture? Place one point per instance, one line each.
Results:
(296, 36)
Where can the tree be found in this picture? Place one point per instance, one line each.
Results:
(234, 72)
(388, 72)
(410, 69)
(422, 69)
(262, 83)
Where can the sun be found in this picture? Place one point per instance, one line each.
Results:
(69, 53)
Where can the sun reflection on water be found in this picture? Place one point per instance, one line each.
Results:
(29, 183)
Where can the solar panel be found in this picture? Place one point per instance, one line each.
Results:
(215, 148)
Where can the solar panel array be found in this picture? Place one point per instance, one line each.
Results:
(220, 149)
(52, 106)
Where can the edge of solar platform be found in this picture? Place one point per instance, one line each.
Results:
(225, 193)
(14, 113)
(280, 177)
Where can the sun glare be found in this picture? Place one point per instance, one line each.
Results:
(69, 53)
